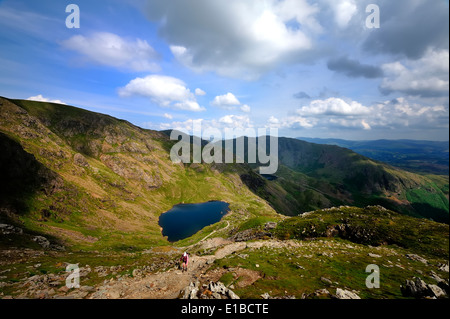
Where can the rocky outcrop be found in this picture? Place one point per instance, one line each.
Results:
(346, 294)
(6, 229)
(417, 288)
(214, 290)
(416, 258)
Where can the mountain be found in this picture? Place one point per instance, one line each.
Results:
(85, 188)
(314, 176)
(431, 157)
(93, 181)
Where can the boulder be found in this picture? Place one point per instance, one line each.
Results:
(190, 292)
(443, 267)
(270, 225)
(6, 229)
(42, 241)
(417, 258)
(346, 294)
(437, 291)
(416, 288)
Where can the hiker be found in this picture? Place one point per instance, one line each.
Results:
(184, 259)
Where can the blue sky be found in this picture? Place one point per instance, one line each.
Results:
(308, 68)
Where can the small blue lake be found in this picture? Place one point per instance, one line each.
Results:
(184, 220)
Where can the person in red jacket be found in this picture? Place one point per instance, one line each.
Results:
(185, 260)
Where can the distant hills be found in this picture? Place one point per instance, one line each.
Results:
(431, 157)
(314, 176)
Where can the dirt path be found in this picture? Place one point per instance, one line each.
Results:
(168, 284)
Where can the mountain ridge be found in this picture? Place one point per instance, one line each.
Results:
(86, 188)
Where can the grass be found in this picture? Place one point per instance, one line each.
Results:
(298, 271)
(372, 226)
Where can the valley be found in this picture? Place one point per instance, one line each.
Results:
(79, 187)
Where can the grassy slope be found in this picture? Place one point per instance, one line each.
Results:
(101, 207)
(115, 199)
(341, 175)
(387, 236)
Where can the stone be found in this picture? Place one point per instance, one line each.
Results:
(374, 255)
(218, 287)
(321, 292)
(326, 280)
(416, 288)
(270, 225)
(417, 258)
(6, 229)
(437, 291)
(42, 241)
(190, 292)
(443, 267)
(265, 296)
(232, 295)
(346, 294)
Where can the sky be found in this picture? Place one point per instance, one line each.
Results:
(307, 68)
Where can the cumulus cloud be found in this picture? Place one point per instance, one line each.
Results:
(243, 38)
(403, 112)
(109, 49)
(164, 90)
(40, 98)
(226, 100)
(400, 114)
(333, 106)
(354, 68)
(427, 77)
(230, 102)
(290, 122)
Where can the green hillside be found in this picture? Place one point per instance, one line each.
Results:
(94, 187)
(93, 181)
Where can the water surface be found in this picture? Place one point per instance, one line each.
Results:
(184, 220)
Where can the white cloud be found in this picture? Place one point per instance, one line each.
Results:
(225, 101)
(290, 122)
(245, 108)
(111, 50)
(236, 122)
(40, 98)
(199, 92)
(230, 102)
(344, 11)
(365, 125)
(168, 116)
(242, 38)
(164, 90)
(333, 106)
(241, 122)
(402, 112)
(398, 114)
(426, 77)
